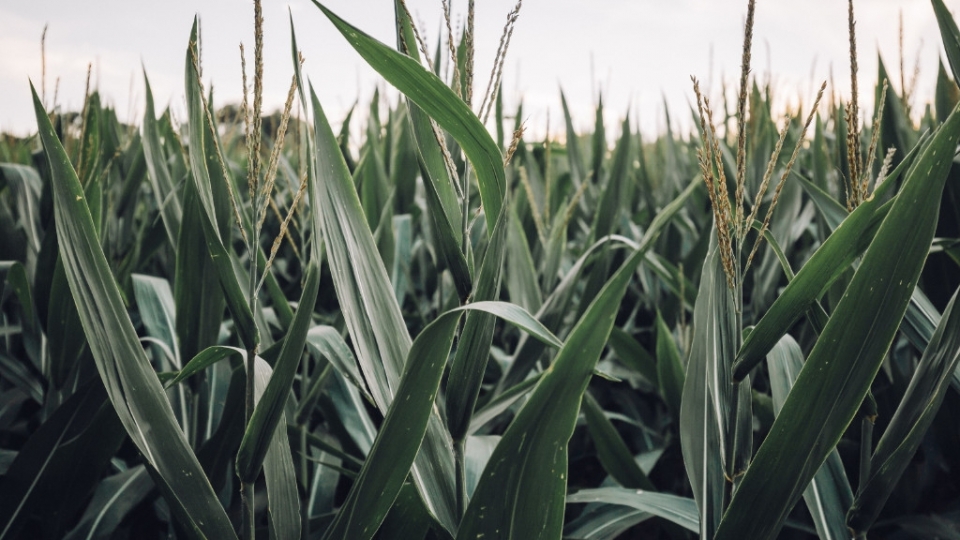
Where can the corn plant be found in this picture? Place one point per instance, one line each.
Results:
(431, 326)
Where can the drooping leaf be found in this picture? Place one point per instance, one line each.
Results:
(403, 429)
(442, 105)
(679, 510)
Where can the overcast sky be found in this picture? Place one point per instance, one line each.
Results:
(638, 53)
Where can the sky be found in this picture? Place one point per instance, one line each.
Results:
(638, 54)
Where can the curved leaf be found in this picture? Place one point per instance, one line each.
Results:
(843, 363)
(405, 425)
(521, 492)
(441, 104)
(679, 510)
(131, 384)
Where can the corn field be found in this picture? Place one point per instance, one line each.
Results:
(242, 325)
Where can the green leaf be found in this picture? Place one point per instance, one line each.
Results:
(430, 153)
(829, 495)
(44, 478)
(828, 391)
(577, 169)
(32, 334)
(441, 104)
(398, 441)
(113, 500)
(131, 384)
(283, 499)
(500, 403)
(198, 128)
(612, 451)
(521, 492)
(950, 35)
(703, 411)
(65, 337)
(669, 369)
(371, 312)
(405, 425)
(679, 510)
(910, 422)
(165, 195)
(552, 314)
(197, 293)
(607, 214)
(632, 355)
(262, 428)
(327, 342)
(156, 310)
(473, 349)
(604, 521)
(520, 274)
(831, 259)
(554, 308)
(25, 188)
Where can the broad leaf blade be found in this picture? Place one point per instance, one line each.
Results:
(221, 257)
(262, 428)
(910, 422)
(829, 495)
(441, 104)
(131, 384)
(372, 314)
(842, 365)
(521, 492)
(679, 510)
(713, 348)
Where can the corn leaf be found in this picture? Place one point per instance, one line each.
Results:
(679, 510)
(132, 385)
(371, 311)
(828, 392)
(911, 420)
(521, 492)
(283, 499)
(611, 448)
(701, 409)
(164, 194)
(829, 495)
(405, 425)
(670, 377)
(441, 104)
(473, 349)
(262, 428)
(44, 478)
(198, 128)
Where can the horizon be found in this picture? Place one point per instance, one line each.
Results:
(792, 54)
